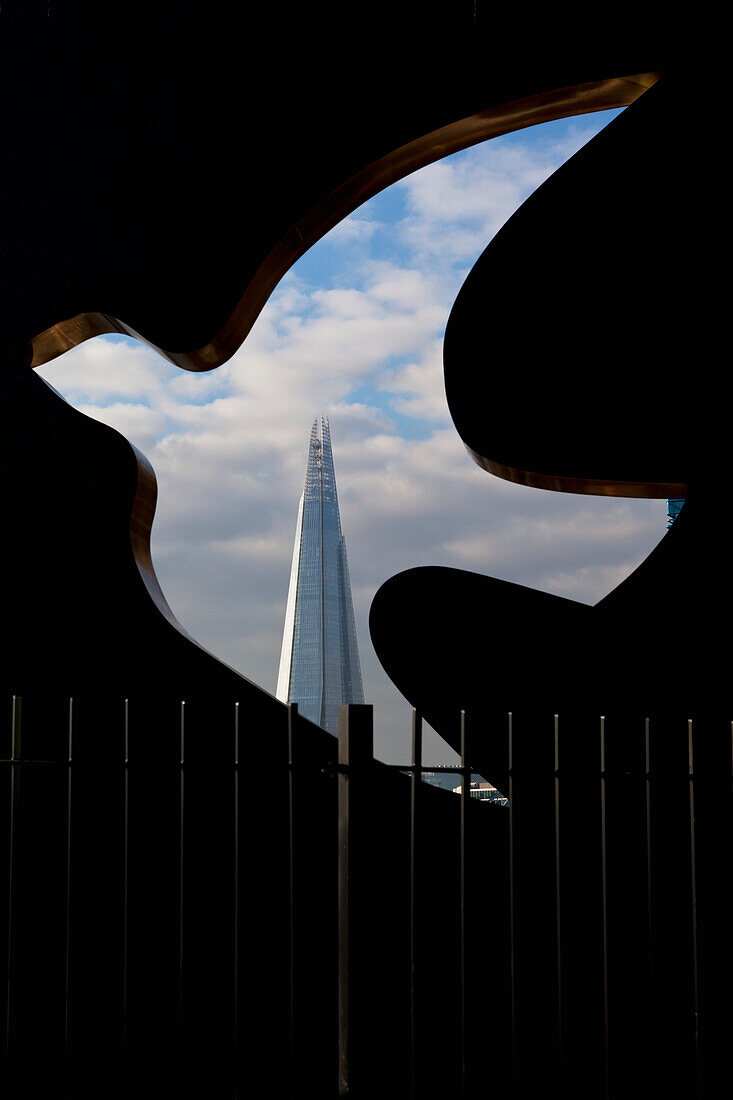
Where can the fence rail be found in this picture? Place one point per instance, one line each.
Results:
(324, 920)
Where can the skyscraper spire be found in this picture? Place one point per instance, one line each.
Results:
(319, 662)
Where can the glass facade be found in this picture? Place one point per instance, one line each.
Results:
(319, 662)
(674, 507)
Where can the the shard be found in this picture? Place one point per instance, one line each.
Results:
(319, 662)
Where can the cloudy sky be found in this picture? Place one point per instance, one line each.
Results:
(353, 331)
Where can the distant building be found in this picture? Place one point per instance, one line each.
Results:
(445, 776)
(674, 507)
(484, 792)
(319, 662)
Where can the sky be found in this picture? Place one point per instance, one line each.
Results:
(353, 331)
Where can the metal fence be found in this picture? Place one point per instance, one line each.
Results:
(321, 921)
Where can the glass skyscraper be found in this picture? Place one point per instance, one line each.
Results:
(319, 663)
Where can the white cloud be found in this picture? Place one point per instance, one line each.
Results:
(419, 386)
(104, 370)
(355, 228)
(456, 206)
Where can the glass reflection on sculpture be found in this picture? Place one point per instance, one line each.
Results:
(319, 663)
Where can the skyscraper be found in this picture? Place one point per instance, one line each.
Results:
(319, 662)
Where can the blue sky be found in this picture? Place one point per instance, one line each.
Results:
(354, 331)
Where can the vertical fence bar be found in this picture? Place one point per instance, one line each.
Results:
(604, 904)
(513, 905)
(416, 780)
(292, 719)
(67, 1017)
(235, 977)
(15, 754)
(648, 851)
(693, 898)
(558, 911)
(181, 792)
(125, 881)
(465, 796)
(355, 754)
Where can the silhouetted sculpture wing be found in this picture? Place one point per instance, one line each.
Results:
(164, 172)
(572, 362)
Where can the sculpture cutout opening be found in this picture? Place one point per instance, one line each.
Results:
(356, 326)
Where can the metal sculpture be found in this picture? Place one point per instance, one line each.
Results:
(321, 127)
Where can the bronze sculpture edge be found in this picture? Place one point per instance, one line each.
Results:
(561, 483)
(601, 95)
